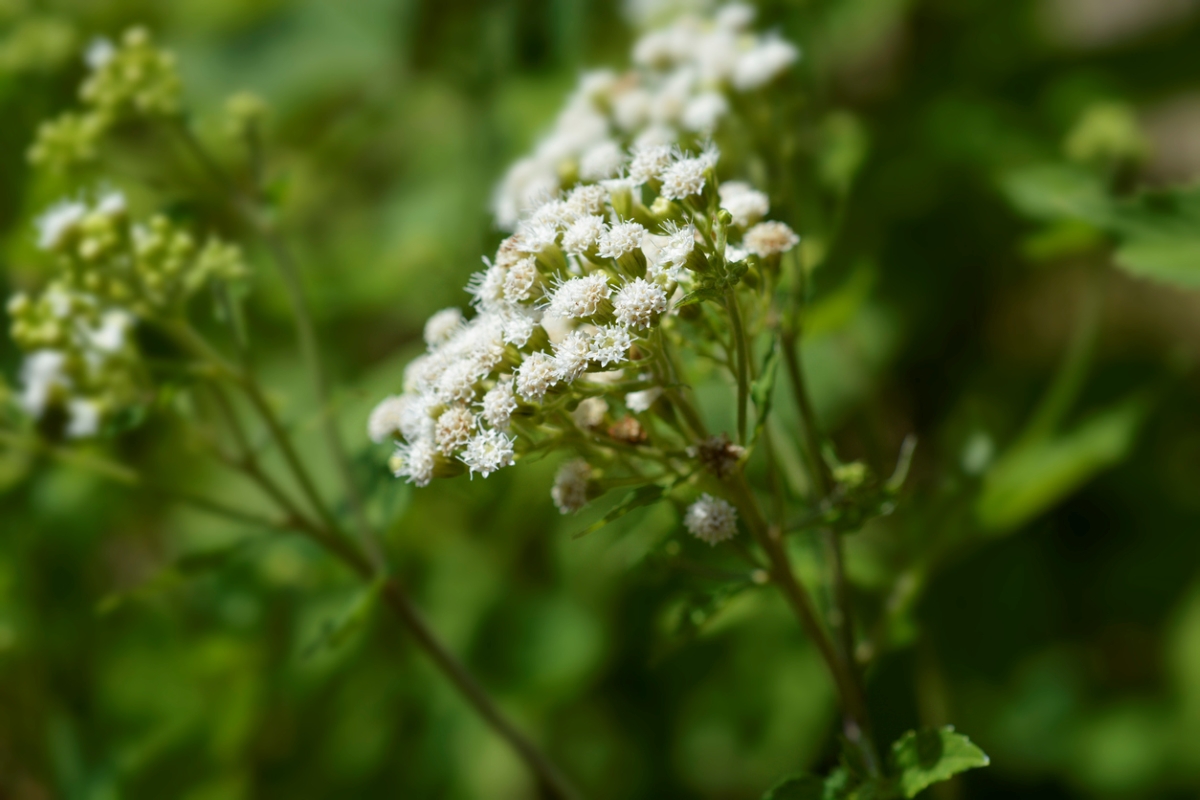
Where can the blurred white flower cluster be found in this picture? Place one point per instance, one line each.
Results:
(681, 86)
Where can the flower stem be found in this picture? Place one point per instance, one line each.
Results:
(743, 361)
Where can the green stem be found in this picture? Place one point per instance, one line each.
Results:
(743, 361)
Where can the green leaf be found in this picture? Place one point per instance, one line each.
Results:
(843, 150)
(1058, 191)
(1174, 260)
(931, 755)
(1033, 477)
(801, 787)
(642, 496)
(335, 632)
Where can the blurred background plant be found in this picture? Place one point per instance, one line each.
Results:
(1013, 279)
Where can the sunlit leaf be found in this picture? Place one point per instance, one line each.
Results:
(929, 756)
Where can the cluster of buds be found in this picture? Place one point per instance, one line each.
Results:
(112, 272)
(566, 334)
(685, 79)
(132, 79)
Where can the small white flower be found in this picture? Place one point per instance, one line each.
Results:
(454, 427)
(631, 108)
(112, 204)
(672, 255)
(763, 63)
(415, 461)
(570, 491)
(578, 298)
(584, 234)
(587, 200)
(769, 238)
(456, 384)
(384, 420)
(610, 345)
(684, 178)
(83, 418)
(58, 221)
(704, 111)
(415, 417)
(99, 52)
(487, 286)
(590, 412)
(571, 355)
(422, 372)
(638, 302)
(110, 336)
(711, 519)
(746, 204)
(42, 373)
(499, 403)
(518, 324)
(637, 402)
(602, 161)
(649, 162)
(488, 451)
(536, 376)
(622, 238)
(442, 325)
(521, 278)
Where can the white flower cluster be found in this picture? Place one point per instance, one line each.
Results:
(711, 520)
(568, 294)
(683, 77)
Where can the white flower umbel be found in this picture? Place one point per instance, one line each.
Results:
(414, 461)
(711, 519)
(570, 491)
(385, 419)
(454, 427)
(519, 282)
(498, 405)
(639, 302)
(538, 375)
(746, 204)
(770, 238)
(580, 298)
(442, 325)
(488, 451)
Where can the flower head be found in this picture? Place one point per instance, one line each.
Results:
(498, 405)
(770, 238)
(570, 491)
(488, 451)
(537, 375)
(638, 302)
(454, 428)
(415, 461)
(579, 298)
(622, 238)
(711, 519)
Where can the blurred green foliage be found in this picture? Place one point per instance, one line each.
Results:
(1003, 285)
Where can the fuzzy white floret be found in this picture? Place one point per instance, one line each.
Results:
(536, 376)
(704, 111)
(83, 418)
(711, 519)
(520, 280)
(571, 355)
(442, 325)
(488, 451)
(384, 420)
(601, 161)
(570, 490)
(610, 345)
(42, 373)
(638, 302)
(584, 234)
(590, 412)
(622, 238)
(499, 403)
(57, 221)
(764, 62)
(684, 178)
(769, 238)
(414, 460)
(637, 402)
(454, 427)
(586, 200)
(578, 298)
(746, 204)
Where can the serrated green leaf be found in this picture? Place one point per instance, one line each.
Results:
(1031, 478)
(931, 755)
(642, 496)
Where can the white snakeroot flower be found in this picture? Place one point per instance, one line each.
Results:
(631, 108)
(415, 417)
(578, 298)
(638, 302)
(41, 374)
(442, 325)
(112, 204)
(57, 221)
(536, 376)
(488, 451)
(570, 491)
(735, 16)
(422, 372)
(517, 325)
(499, 403)
(571, 355)
(610, 345)
(99, 52)
(83, 418)
(601, 161)
(684, 178)
(657, 135)
(487, 286)
(746, 204)
(584, 234)
(770, 238)
(384, 420)
(519, 283)
(110, 336)
(622, 238)
(415, 461)
(649, 162)
(764, 62)
(456, 384)
(671, 256)
(454, 427)
(711, 519)
(637, 402)
(584, 201)
(590, 412)
(704, 111)
(536, 236)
